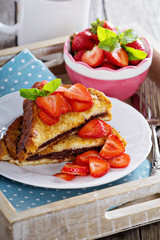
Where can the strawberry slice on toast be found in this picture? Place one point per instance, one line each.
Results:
(95, 128)
(80, 106)
(47, 119)
(51, 104)
(79, 93)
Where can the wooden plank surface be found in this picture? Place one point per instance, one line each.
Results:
(146, 13)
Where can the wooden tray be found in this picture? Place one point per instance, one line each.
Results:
(83, 217)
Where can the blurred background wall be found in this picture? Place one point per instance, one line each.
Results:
(119, 12)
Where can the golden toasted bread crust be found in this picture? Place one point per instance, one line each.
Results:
(12, 136)
(4, 154)
(35, 133)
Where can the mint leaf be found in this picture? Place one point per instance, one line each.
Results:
(108, 39)
(31, 94)
(52, 86)
(109, 47)
(129, 36)
(135, 54)
(104, 33)
(120, 34)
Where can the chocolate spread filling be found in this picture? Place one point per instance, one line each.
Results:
(64, 153)
(60, 136)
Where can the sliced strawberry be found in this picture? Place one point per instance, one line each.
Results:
(80, 106)
(64, 176)
(136, 45)
(94, 57)
(75, 169)
(84, 157)
(108, 65)
(82, 41)
(113, 147)
(121, 161)
(78, 55)
(95, 128)
(52, 105)
(79, 93)
(65, 105)
(60, 89)
(47, 119)
(98, 167)
(117, 57)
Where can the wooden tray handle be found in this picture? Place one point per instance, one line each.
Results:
(141, 209)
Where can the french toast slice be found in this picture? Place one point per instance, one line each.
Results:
(36, 136)
(8, 144)
(64, 150)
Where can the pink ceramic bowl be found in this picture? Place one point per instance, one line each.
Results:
(121, 83)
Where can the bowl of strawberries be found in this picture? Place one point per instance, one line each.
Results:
(106, 58)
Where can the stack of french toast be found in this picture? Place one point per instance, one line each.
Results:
(40, 137)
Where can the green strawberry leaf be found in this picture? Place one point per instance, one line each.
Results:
(128, 36)
(95, 25)
(33, 93)
(135, 54)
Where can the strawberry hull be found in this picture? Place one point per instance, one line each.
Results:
(121, 89)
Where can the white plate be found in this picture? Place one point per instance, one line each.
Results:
(129, 122)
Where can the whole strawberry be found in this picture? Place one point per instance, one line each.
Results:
(100, 23)
(78, 55)
(136, 45)
(82, 41)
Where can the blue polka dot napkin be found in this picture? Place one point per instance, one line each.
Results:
(23, 71)
(23, 197)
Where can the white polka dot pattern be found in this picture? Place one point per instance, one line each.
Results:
(23, 196)
(22, 71)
